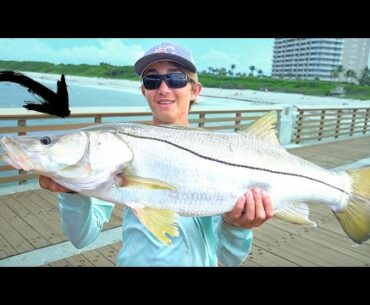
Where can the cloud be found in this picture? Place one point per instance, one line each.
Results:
(113, 51)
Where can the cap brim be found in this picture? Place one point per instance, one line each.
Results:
(145, 61)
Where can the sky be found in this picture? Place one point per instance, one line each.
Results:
(207, 52)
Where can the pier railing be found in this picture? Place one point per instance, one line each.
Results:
(317, 124)
(296, 124)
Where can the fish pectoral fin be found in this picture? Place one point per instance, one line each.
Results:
(296, 214)
(159, 222)
(147, 183)
(264, 128)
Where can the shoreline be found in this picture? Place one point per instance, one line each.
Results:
(250, 96)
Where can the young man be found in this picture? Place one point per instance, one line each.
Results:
(170, 86)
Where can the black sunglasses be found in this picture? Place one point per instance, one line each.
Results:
(173, 80)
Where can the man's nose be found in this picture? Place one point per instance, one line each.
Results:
(163, 88)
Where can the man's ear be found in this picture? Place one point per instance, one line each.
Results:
(142, 90)
(195, 90)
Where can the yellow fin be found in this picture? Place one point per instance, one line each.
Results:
(296, 214)
(355, 219)
(158, 222)
(264, 128)
(148, 183)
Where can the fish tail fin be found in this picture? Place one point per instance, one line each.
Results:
(355, 219)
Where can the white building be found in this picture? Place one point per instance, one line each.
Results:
(316, 58)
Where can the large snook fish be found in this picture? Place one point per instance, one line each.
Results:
(173, 170)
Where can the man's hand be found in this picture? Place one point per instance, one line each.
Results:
(50, 185)
(251, 210)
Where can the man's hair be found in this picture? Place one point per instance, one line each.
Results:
(194, 80)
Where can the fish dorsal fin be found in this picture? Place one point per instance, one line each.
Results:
(297, 214)
(159, 222)
(263, 128)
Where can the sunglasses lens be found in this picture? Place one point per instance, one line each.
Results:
(152, 82)
(173, 80)
(176, 80)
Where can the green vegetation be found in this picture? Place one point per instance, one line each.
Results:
(216, 78)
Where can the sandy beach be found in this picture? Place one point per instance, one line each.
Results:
(255, 97)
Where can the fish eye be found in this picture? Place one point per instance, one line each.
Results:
(45, 140)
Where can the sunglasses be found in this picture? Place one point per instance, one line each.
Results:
(173, 80)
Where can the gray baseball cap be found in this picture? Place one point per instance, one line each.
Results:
(166, 51)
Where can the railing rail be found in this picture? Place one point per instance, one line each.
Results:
(19, 122)
(297, 125)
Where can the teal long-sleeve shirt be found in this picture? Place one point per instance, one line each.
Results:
(202, 241)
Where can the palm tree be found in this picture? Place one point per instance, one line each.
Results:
(252, 68)
(364, 79)
(339, 70)
(350, 74)
(232, 68)
(260, 73)
(222, 71)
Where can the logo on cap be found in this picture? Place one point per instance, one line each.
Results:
(165, 49)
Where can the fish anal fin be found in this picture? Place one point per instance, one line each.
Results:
(263, 128)
(159, 222)
(296, 214)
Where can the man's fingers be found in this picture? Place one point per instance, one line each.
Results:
(250, 211)
(260, 210)
(49, 184)
(44, 182)
(238, 208)
(266, 200)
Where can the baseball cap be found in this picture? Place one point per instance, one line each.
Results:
(166, 51)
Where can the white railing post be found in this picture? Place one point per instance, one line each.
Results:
(286, 124)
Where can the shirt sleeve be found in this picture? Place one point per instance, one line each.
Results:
(233, 243)
(82, 218)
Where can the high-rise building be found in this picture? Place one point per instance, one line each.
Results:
(317, 58)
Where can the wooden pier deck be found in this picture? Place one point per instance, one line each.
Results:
(30, 227)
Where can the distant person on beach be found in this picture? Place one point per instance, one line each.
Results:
(170, 86)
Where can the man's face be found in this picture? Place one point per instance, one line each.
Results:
(169, 105)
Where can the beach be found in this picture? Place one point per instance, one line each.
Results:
(228, 96)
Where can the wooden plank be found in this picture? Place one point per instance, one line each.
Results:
(98, 259)
(275, 247)
(109, 253)
(16, 240)
(6, 248)
(38, 206)
(33, 220)
(269, 259)
(312, 248)
(79, 260)
(278, 242)
(21, 226)
(60, 263)
(249, 262)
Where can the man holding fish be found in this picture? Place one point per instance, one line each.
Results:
(170, 85)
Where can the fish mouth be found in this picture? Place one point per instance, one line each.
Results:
(14, 154)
